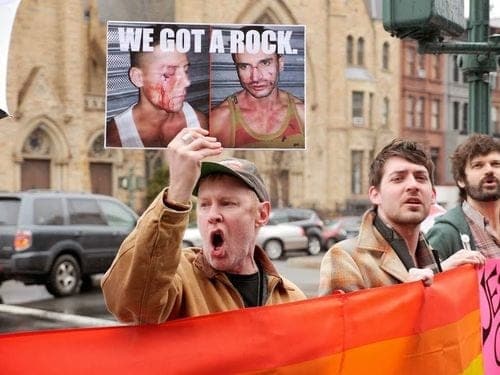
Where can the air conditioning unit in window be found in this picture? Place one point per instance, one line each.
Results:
(357, 120)
(421, 73)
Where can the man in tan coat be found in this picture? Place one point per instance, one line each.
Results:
(390, 247)
(152, 280)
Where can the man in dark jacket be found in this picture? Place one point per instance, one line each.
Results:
(475, 222)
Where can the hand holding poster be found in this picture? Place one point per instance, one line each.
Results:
(165, 77)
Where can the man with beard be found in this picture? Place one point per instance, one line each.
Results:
(475, 222)
(152, 280)
(261, 115)
(162, 78)
(390, 247)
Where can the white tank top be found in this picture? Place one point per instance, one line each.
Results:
(127, 131)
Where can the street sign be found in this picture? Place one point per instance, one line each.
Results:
(424, 19)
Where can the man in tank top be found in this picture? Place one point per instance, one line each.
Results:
(261, 115)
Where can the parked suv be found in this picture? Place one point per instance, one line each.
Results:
(60, 239)
(305, 218)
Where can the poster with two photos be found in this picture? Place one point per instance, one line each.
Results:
(244, 83)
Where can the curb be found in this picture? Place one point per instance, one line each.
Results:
(77, 320)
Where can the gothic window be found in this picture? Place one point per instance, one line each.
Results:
(357, 107)
(97, 149)
(350, 50)
(385, 112)
(361, 52)
(38, 143)
(385, 56)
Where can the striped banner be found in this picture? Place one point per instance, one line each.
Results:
(402, 329)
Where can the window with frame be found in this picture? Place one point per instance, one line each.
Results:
(85, 211)
(48, 211)
(356, 172)
(456, 115)
(420, 113)
(421, 72)
(410, 115)
(410, 61)
(436, 67)
(385, 112)
(435, 114)
(350, 50)
(456, 70)
(361, 51)
(116, 215)
(465, 118)
(385, 56)
(357, 107)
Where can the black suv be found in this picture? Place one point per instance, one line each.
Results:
(60, 239)
(305, 218)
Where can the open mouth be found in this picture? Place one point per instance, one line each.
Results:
(217, 238)
(413, 201)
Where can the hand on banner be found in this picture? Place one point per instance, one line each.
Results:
(463, 257)
(184, 155)
(424, 274)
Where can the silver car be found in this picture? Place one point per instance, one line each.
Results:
(274, 239)
(278, 238)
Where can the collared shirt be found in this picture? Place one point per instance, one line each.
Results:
(485, 238)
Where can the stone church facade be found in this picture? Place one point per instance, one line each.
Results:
(56, 91)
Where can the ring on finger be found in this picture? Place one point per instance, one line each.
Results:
(187, 138)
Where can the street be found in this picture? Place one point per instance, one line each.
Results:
(31, 308)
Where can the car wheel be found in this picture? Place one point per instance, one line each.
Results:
(274, 249)
(314, 245)
(65, 277)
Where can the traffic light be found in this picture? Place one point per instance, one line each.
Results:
(425, 20)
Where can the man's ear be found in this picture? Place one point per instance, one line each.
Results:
(135, 75)
(374, 195)
(434, 195)
(264, 210)
(461, 184)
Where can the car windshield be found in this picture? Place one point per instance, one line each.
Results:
(9, 210)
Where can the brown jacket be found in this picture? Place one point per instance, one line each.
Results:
(152, 280)
(366, 261)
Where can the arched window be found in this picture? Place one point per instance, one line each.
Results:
(385, 56)
(361, 51)
(349, 50)
(37, 154)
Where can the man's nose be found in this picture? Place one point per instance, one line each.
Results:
(183, 78)
(214, 215)
(256, 73)
(412, 183)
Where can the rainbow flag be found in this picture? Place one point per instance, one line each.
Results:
(402, 329)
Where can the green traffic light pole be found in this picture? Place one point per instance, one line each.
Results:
(478, 61)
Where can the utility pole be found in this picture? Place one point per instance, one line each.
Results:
(428, 21)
